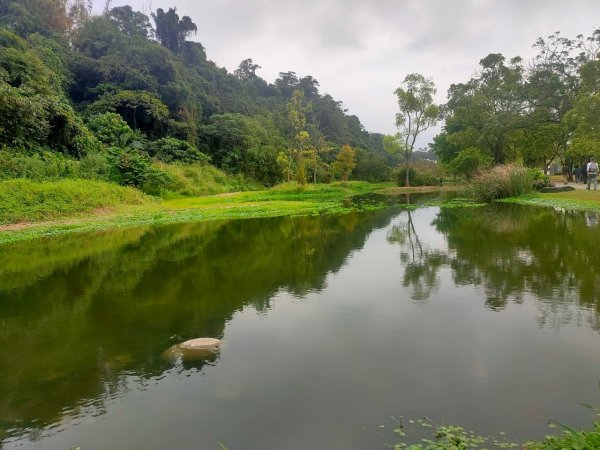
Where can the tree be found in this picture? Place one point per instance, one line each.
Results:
(171, 31)
(297, 108)
(247, 70)
(417, 112)
(130, 22)
(345, 162)
(468, 162)
(141, 110)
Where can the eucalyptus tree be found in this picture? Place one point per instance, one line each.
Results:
(418, 112)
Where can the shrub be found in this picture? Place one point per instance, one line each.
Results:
(130, 167)
(502, 181)
(111, 129)
(468, 162)
(540, 180)
(415, 178)
(38, 166)
(199, 179)
(171, 150)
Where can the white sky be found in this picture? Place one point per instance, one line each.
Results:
(361, 50)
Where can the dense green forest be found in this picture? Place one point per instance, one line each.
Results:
(123, 97)
(535, 112)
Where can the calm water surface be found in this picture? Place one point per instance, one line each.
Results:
(485, 317)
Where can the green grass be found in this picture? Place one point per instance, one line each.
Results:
(285, 200)
(200, 179)
(580, 200)
(26, 200)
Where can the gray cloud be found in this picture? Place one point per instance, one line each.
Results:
(360, 50)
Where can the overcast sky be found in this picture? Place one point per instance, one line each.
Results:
(361, 50)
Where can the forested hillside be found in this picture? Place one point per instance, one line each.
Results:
(124, 97)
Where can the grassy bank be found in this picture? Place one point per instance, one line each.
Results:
(27, 201)
(284, 200)
(579, 200)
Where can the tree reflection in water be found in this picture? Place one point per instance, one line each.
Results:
(513, 253)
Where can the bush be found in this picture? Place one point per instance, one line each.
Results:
(502, 181)
(111, 129)
(175, 150)
(540, 180)
(131, 167)
(415, 178)
(37, 166)
(198, 179)
(468, 162)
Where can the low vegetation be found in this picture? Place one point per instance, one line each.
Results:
(508, 180)
(444, 437)
(25, 200)
(285, 200)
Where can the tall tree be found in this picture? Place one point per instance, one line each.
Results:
(345, 162)
(130, 22)
(171, 31)
(297, 109)
(246, 70)
(417, 113)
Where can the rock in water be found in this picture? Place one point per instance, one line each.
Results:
(194, 349)
(201, 344)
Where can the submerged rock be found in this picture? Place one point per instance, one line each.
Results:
(194, 349)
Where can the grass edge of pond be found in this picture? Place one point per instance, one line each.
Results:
(284, 200)
(552, 201)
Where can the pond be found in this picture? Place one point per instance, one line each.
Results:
(481, 317)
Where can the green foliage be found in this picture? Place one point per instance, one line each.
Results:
(108, 64)
(130, 167)
(34, 111)
(445, 437)
(468, 162)
(507, 180)
(539, 179)
(190, 180)
(570, 439)
(38, 166)
(344, 162)
(130, 22)
(112, 130)
(175, 150)
(416, 178)
(172, 31)
(417, 113)
(141, 110)
(26, 200)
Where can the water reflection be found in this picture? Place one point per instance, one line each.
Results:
(84, 321)
(79, 313)
(509, 251)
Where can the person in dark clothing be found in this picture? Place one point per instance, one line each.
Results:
(584, 171)
(577, 174)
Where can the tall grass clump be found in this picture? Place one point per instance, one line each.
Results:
(191, 180)
(507, 180)
(26, 200)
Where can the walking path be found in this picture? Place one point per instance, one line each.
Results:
(559, 181)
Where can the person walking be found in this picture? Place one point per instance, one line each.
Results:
(584, 171)
(592, 173)
(577, 174)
